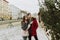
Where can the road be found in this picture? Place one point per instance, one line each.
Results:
(14, 32)
(8, 23)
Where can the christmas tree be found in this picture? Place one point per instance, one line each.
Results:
(51, 17)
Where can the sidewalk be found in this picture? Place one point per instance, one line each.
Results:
(15, 33)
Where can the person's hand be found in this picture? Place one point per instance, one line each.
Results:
(25, 21)
(25, 31)
(31, 22)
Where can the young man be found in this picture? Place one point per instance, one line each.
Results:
(33, 27)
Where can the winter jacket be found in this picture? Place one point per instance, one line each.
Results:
(33, 27)
(24, 27)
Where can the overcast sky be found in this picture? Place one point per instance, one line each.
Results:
(27, 5)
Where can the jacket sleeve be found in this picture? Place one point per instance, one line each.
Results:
(35, 24)
(29, 25)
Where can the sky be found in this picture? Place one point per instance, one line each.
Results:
(31, 6)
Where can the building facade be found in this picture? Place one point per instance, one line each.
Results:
(15, 11)
(5, 12)
(23, 13)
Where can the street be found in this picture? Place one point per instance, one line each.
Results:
(14, 32)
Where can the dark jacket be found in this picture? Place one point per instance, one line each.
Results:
(24, 25)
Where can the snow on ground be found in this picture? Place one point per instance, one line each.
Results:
(15, 33)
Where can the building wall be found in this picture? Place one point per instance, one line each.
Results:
(15, 11)
(23, 13)
(0, 8)
(5, 12)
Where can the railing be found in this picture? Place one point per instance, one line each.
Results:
(8, 23)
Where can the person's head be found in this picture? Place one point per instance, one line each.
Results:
(33, 18)
(29, 15)
(24, 18)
